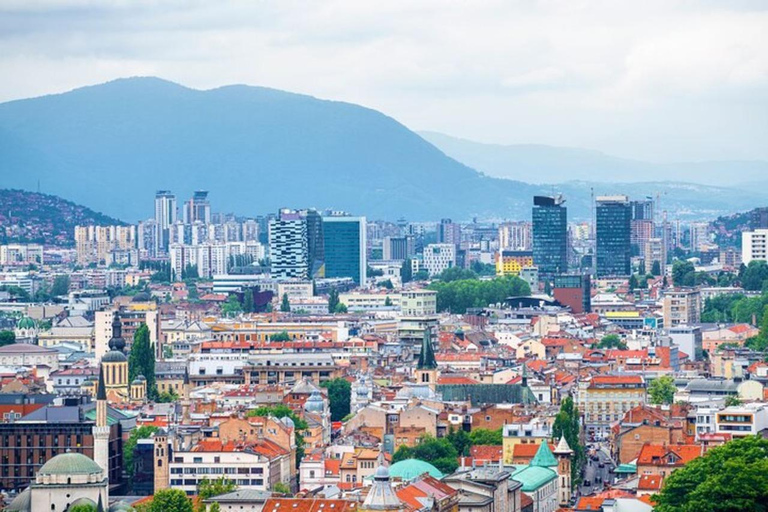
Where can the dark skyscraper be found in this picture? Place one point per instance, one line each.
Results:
(550, 235)
(613, 231)
(344, 240)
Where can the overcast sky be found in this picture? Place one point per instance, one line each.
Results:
(655, 80)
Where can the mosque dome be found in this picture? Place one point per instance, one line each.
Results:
(314, 403)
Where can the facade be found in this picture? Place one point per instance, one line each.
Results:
(439, 257)
(573, 291)
(288, 246)
(654, 252)
(743, 420)
(682, 306)
(512, 263)
(606, 398)
(550, 235)
(613, 234)
(515, 236)
(689, 339)
(345, 247)
(21, 254)
(448, 232)
(398, 248)
(97, 244)
(165, 216)
(754, 245)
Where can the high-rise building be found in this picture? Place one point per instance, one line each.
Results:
(758, 218)
(754, 245)
(165, 215)
(653, 252)
(699, 235)
(550, 235)
(448, 232)
(344, 245)
(682, 306)
(398, 247)
(613, 233)
(515, 236)
(439, 257)
(315, 243)
(198, 209)
(288, 247)
(148, 238)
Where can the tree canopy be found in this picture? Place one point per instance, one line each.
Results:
(129, 448)
(567, 425)
(457, 296)
(612, 341)
(231, 306)
(438, 452)
(728, 478)
(484, 436)
(754, 276)
(170, 500)
(285, 304)
(661, 390)
(7, 338)
(339, 396)
(141, 360)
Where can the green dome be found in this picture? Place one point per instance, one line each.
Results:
(114, 356)
(22, 502)
(411, 468)
(26, 323)
(82, 502)
(70, 464)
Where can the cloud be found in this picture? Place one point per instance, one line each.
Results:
(660, 79)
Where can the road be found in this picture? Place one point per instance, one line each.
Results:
(593, 470)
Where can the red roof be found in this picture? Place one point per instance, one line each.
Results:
(657, 453)
(456, 379)
(649, 483)
(308, 505)
(616, 379)
(590, 503)
(487, 452)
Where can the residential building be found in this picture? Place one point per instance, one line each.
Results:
(439, 257)
(653, 251)
(682, 306)
(512, 263)
(689, 340)
(613, 236)
(289, 245)
(21, 254)
(743, 420)
(754, 245)
(165, 216)
(550, 235)
(607, 398)
(198, 208)
(515, 236)
(448, 232)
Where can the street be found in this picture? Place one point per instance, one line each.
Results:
(594, 475)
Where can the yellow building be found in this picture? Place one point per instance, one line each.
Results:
(510, 263)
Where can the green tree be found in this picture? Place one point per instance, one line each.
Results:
(141, 359)
(333, 300)
(60, 286)
(167, 397)
(207, 489)
(248, 305)
(192, 293)
(340, 308)
(728, 478)
(231, 306)
(460, 441)
(171, 500)
(656, 268)
(283, 411)
(406, 272)
(754, 275)
(438, 452)
(387, 284)
(662, 390)
(732, 400)
(281, 488)
(82, 508)
(567, 424)
(458, 296)
(339, 397)
(680, 269)
(129, 448)
(285, 305)
(612, 341)
(7, 338)
(387, 302)
(455, 274)
(280, 336)
(632, 282)
(484, 436)
(421, 275)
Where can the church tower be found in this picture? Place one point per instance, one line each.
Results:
(101, 429)
(426, 369)
(564, 453)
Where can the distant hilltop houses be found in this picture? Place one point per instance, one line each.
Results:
(320, 360)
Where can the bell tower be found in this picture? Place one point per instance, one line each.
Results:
(162, 458)
(426, 369)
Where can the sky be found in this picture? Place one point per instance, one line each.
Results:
(656, 80)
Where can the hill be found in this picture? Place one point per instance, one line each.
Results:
(552, 164)
(29, 217)
(111, 146)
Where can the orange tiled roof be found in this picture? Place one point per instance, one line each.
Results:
(308, 505)
(654, 453)
(649, 483)
(487, 452)
(617, 379)
(590, 503)
(456, 379)
(527, 450)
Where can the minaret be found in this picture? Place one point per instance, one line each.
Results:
(185, 399)
(426, 369)
(101, 429)
(563, 454)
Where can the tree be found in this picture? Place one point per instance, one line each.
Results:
(207, 489)
(82, 508)
(231, 306)
(60, 286)
(283, 411)
(141, 359)
(438, 452)
(333, 300)
(7, 338)
(612, 341)
(280, 336)
(728, 478)
(285, 305)
(662, 390)
(754, 275)
(483, 436)
(656, 268)
(406, 272)
(340, 308)
(460, 441)
(458, 296)
(387, 284)
(732, 401)
(281, 488)
(192, 293)
(387, 302)
(170, 500)
(680, 269)
(455, 274)
(339, 397)
(129, 448)
(167, 397)
(248, 305)
(567, 425)
(632, 282)
(421, 275)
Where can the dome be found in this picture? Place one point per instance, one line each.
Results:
(120, 506)
(288, 422)
(411, 468)
(22, 502)
(26, 323)
(70, 464)
(314, 403)
(362, 390)
(82, 502)
(114, 356)
(382, 473)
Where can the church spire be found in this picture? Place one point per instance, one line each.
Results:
(117, 342)
(101, 392)
(427, 356)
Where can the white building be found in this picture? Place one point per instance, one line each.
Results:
(754, 245)
(439, 257)
(21, 254)
(743, 420)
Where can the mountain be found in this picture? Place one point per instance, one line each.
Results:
(39, 218)
(255, 149)
(111, 146)
(552, 164)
